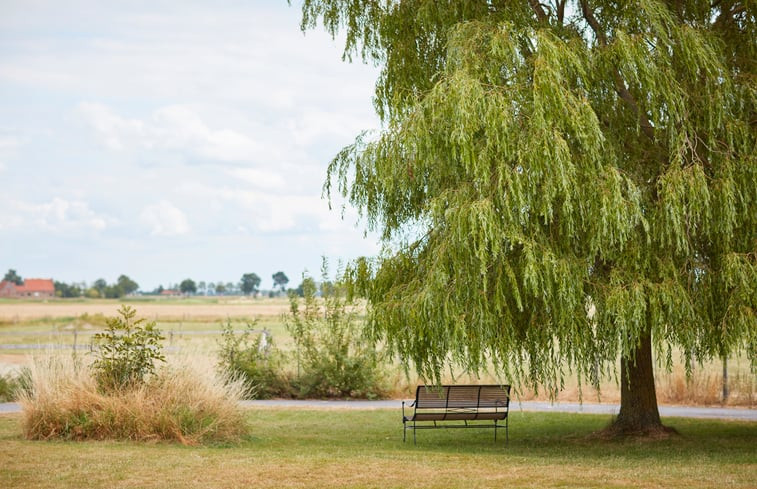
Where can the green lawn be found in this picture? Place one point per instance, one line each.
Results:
(298, 448)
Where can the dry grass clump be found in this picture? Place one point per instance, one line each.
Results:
(705, 387)
(179, 403)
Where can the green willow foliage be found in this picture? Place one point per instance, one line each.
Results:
(555, 180)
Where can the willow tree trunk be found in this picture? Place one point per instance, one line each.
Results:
(638, 400)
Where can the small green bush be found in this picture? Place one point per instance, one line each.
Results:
(13, 385)
(259, 365)
(7, 388)
(128, 350)
(334, 359)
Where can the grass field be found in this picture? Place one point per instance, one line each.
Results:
(191, 327)
(364, 449)
(187, 309)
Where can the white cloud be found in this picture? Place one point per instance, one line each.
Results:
(115, 132)
(164, 219)
(57, 215)
(312, 125)
(262, 210)
(174, 128)
(180, 128)
(263, 179)
(245, 52)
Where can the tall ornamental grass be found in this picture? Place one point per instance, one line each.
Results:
(179, 403)
(122, 395)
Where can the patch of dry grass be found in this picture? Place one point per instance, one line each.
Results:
(195, 309)
(181, 403)
(703, 388)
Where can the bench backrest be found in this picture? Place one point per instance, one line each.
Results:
(462, 397)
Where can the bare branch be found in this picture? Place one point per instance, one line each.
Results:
(539, 10)
(561, 11)
(593, 23)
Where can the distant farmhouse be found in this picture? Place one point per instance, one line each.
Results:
(32, 287)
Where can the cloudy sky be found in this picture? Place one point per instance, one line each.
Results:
(172, 139)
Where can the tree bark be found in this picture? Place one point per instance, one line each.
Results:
(638, 401)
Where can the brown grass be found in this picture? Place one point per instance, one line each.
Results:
(703, 388)
(20, 311)
(180, 404)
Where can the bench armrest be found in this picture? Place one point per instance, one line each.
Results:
(411, 404)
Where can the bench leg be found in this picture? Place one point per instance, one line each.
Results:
(404, 430)
(414, 430)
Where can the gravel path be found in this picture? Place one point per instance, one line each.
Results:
(563, 407)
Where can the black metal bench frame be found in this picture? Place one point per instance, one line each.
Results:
(435, 406)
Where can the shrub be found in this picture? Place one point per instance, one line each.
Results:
(7, 387)
(13, 385)
(127, 351)
(333, 357)
(180, 403)
(255, 360)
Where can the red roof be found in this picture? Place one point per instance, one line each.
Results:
(31, 285)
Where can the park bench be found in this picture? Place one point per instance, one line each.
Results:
(458, 406)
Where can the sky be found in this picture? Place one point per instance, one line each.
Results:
(167, 140)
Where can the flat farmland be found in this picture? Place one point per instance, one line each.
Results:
(179, 309)
(192, 326)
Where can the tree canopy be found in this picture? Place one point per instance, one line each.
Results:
(12, 276)
(127, 285)
(249, 283)
(100, 285)
(188, 286)
(557, 184)
(280, 280)
(67, 290)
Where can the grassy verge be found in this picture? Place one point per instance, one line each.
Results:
(293, 448)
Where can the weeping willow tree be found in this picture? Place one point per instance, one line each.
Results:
(558, 185)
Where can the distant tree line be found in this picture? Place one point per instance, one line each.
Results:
(99, 289)
(249, 284)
